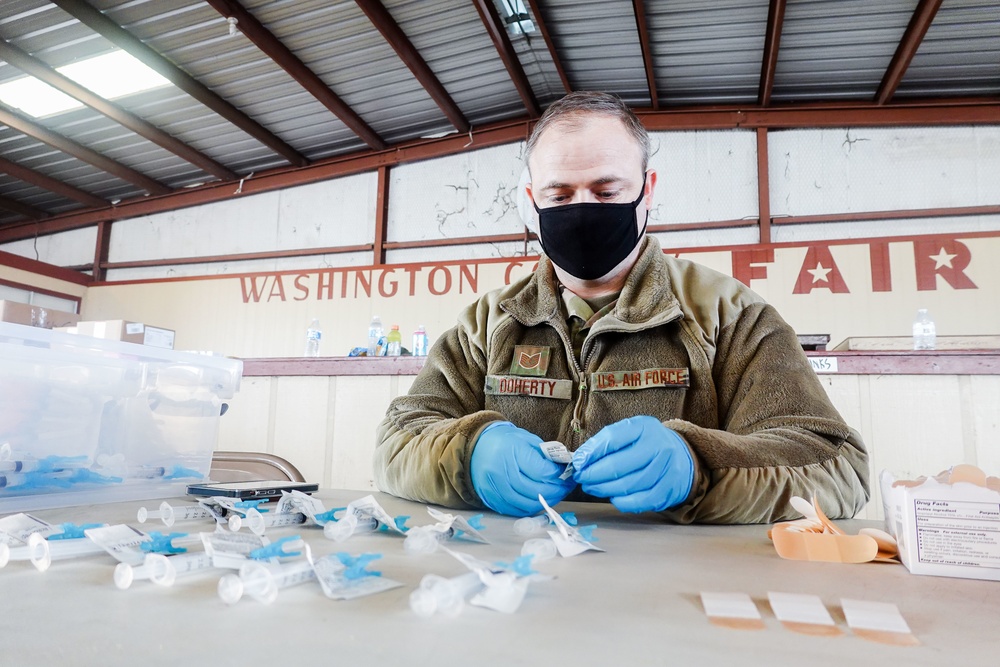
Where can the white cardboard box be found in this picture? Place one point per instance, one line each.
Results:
(944, 529)
(128, 332)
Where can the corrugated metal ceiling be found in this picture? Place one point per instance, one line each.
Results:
(700, 54)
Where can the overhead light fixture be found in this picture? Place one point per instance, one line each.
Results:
(516, 18)
(232, 21)
(112, 75)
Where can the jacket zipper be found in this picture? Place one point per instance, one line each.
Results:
(586, 352)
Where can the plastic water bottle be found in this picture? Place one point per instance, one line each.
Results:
(374, 334)
(420, 342)
(394, 342)
(313, 336)
(924, 331)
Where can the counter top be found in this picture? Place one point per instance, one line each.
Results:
(636, 604)
(883, 362)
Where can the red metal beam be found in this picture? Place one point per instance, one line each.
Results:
(48, 183)
(921, 20)
(124, 40)
(22, 209)
(43, 72)
(401, 44)
(443, 243)
(80, 152)
(273, 48)
(43, 269)
(536, 12)
(381, 216)
(763, 187)
(102, 248)
(905, 214)
(772, 41)
(498, 33)
(240, 257)
(647, 52)
(698, 226)
(986, 113)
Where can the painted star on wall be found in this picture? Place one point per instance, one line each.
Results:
(942, 259)
(819, 273)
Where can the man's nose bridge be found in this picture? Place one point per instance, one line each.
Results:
(584, 196)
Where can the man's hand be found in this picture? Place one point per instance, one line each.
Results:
(509, 471)
(639, 463)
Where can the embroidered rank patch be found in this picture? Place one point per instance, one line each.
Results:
(530, 360)
(644, 379)
(521, 386)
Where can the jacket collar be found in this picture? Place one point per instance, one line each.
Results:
(647, 298)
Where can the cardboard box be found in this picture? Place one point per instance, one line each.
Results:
(89, 420)
(127, 332)
(945, 527)
(35, 316)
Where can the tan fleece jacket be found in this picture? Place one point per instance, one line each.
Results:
(755, 415)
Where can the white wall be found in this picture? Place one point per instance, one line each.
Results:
(703, 176)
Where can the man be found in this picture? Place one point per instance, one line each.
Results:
(677, 389)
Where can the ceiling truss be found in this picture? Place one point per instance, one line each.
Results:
(379, 152)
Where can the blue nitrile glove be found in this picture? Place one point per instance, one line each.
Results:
(509, 471)
(639, 463)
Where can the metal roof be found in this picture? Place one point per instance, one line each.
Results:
(303, 81)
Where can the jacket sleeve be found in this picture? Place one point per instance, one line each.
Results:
(779, 434)
(425, 441)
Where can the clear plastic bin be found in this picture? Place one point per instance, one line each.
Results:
(85, 420)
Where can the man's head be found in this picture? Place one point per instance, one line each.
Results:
(587, 161)
(573, 109)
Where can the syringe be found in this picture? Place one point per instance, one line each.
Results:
(349, 525)
(532, 525)
(258, 523)
(444, 596)
(9, 553)
(169, 514)
(262, 582)
(163, 570)
(424, 540)
(542, 548)
(125, 574)
(43, 552)
(47, 464)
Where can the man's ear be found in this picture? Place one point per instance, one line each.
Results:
(650, 186)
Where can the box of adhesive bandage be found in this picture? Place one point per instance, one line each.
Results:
(86, 420)
(947, 525)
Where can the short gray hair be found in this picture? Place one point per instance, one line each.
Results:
(582, 103)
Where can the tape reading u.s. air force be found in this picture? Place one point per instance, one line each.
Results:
(528, 386)
(644, 379)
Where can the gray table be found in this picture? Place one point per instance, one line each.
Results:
(637, 604)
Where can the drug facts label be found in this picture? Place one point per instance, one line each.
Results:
(956, 532)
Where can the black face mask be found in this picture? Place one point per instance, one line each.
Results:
(588, 240)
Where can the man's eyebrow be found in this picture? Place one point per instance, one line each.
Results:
(604, 180)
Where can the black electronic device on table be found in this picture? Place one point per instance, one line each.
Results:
(250, 490)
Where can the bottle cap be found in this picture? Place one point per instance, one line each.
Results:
(395, 327)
